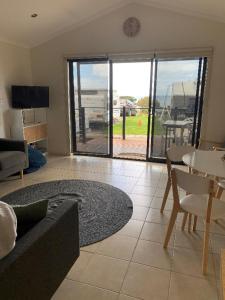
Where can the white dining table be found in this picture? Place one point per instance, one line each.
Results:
(209, 162)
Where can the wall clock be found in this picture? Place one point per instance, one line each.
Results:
(131, 27)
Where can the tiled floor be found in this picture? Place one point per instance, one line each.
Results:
(132, 264)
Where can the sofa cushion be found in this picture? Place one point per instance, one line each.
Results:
(9, 159)
(29, 215)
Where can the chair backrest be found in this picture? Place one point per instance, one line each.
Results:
(175, 153)
(192, 184)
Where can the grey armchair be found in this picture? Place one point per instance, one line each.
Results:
(13, 157)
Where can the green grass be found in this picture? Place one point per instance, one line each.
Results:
(137, 125)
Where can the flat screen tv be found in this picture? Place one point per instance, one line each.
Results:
(30, 96)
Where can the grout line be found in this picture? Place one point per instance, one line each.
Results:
(98, 287)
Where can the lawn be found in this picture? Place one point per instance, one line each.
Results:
(137, 125)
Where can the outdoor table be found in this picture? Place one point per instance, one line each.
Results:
(209, 162)
(173, 124)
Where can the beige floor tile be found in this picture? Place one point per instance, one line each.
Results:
(218, 228)
(146, 182)
(184, 287)
(146, 282)
(153, 254)
(132, 228)
(78, 268)
(192, 240)
(160, 193)
(217, 265)
(219, 290)
(141, 200)
(144, 190)
(127, 188)
(105, 272)
(118, 246)
(155, 216)
(125, 297)
(189, 262)
(91, 248)
(139, 213)
(157, 202)
(14, 183)
(71, 290)
(155, 232)
(217, 242)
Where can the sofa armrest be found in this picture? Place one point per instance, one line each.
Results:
(13, 145)
(42, 257)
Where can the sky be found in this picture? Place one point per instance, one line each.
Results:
(133, 79)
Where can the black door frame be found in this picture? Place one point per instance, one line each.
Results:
(201, 80)
(73, 108)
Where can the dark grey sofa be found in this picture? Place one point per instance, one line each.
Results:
(42, 257)
(13, 157)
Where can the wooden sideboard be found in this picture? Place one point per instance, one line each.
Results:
(35, 132)
(31, 125)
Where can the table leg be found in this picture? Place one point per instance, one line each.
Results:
(181, 136)
(166, 139)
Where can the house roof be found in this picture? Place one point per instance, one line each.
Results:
(58, 16)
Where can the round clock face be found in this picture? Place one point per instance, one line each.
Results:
(131, 26)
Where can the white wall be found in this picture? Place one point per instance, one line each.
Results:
(15, 68)
(161, 29)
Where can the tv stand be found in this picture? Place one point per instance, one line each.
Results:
(31, 125)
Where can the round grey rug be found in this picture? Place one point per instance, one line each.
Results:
(103, 209)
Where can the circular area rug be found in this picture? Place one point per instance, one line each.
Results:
(103, 209)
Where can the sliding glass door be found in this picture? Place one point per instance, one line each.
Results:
(135, 110)
(178, 87)
(90, 106)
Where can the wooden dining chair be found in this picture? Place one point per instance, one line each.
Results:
(220, 182)
(220, 188)
(173, 155)
(198, 202)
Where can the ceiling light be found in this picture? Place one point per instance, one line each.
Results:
(34, 15)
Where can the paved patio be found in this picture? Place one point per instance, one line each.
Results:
(133, 147)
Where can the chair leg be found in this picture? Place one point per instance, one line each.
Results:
(205, 249)
(219, 192)
(184, 221)
(189, 222)
(195, 223)
(168, 185)
(172, 221)
(21, 174)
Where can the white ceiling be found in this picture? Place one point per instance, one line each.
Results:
(57, 16)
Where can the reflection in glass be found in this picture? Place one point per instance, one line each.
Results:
(175, 102)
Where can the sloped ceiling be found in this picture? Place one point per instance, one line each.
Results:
(58, 16)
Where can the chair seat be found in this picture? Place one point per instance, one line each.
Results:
(197, 205)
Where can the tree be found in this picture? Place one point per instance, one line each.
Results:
(131, 98)
(144, 102)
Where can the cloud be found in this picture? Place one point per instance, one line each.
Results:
(133, 79)
(101, 70)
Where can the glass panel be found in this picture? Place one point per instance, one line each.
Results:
(131, 85)
(92, 107)
(175, 101)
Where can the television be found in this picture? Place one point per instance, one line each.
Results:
(30, 96)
